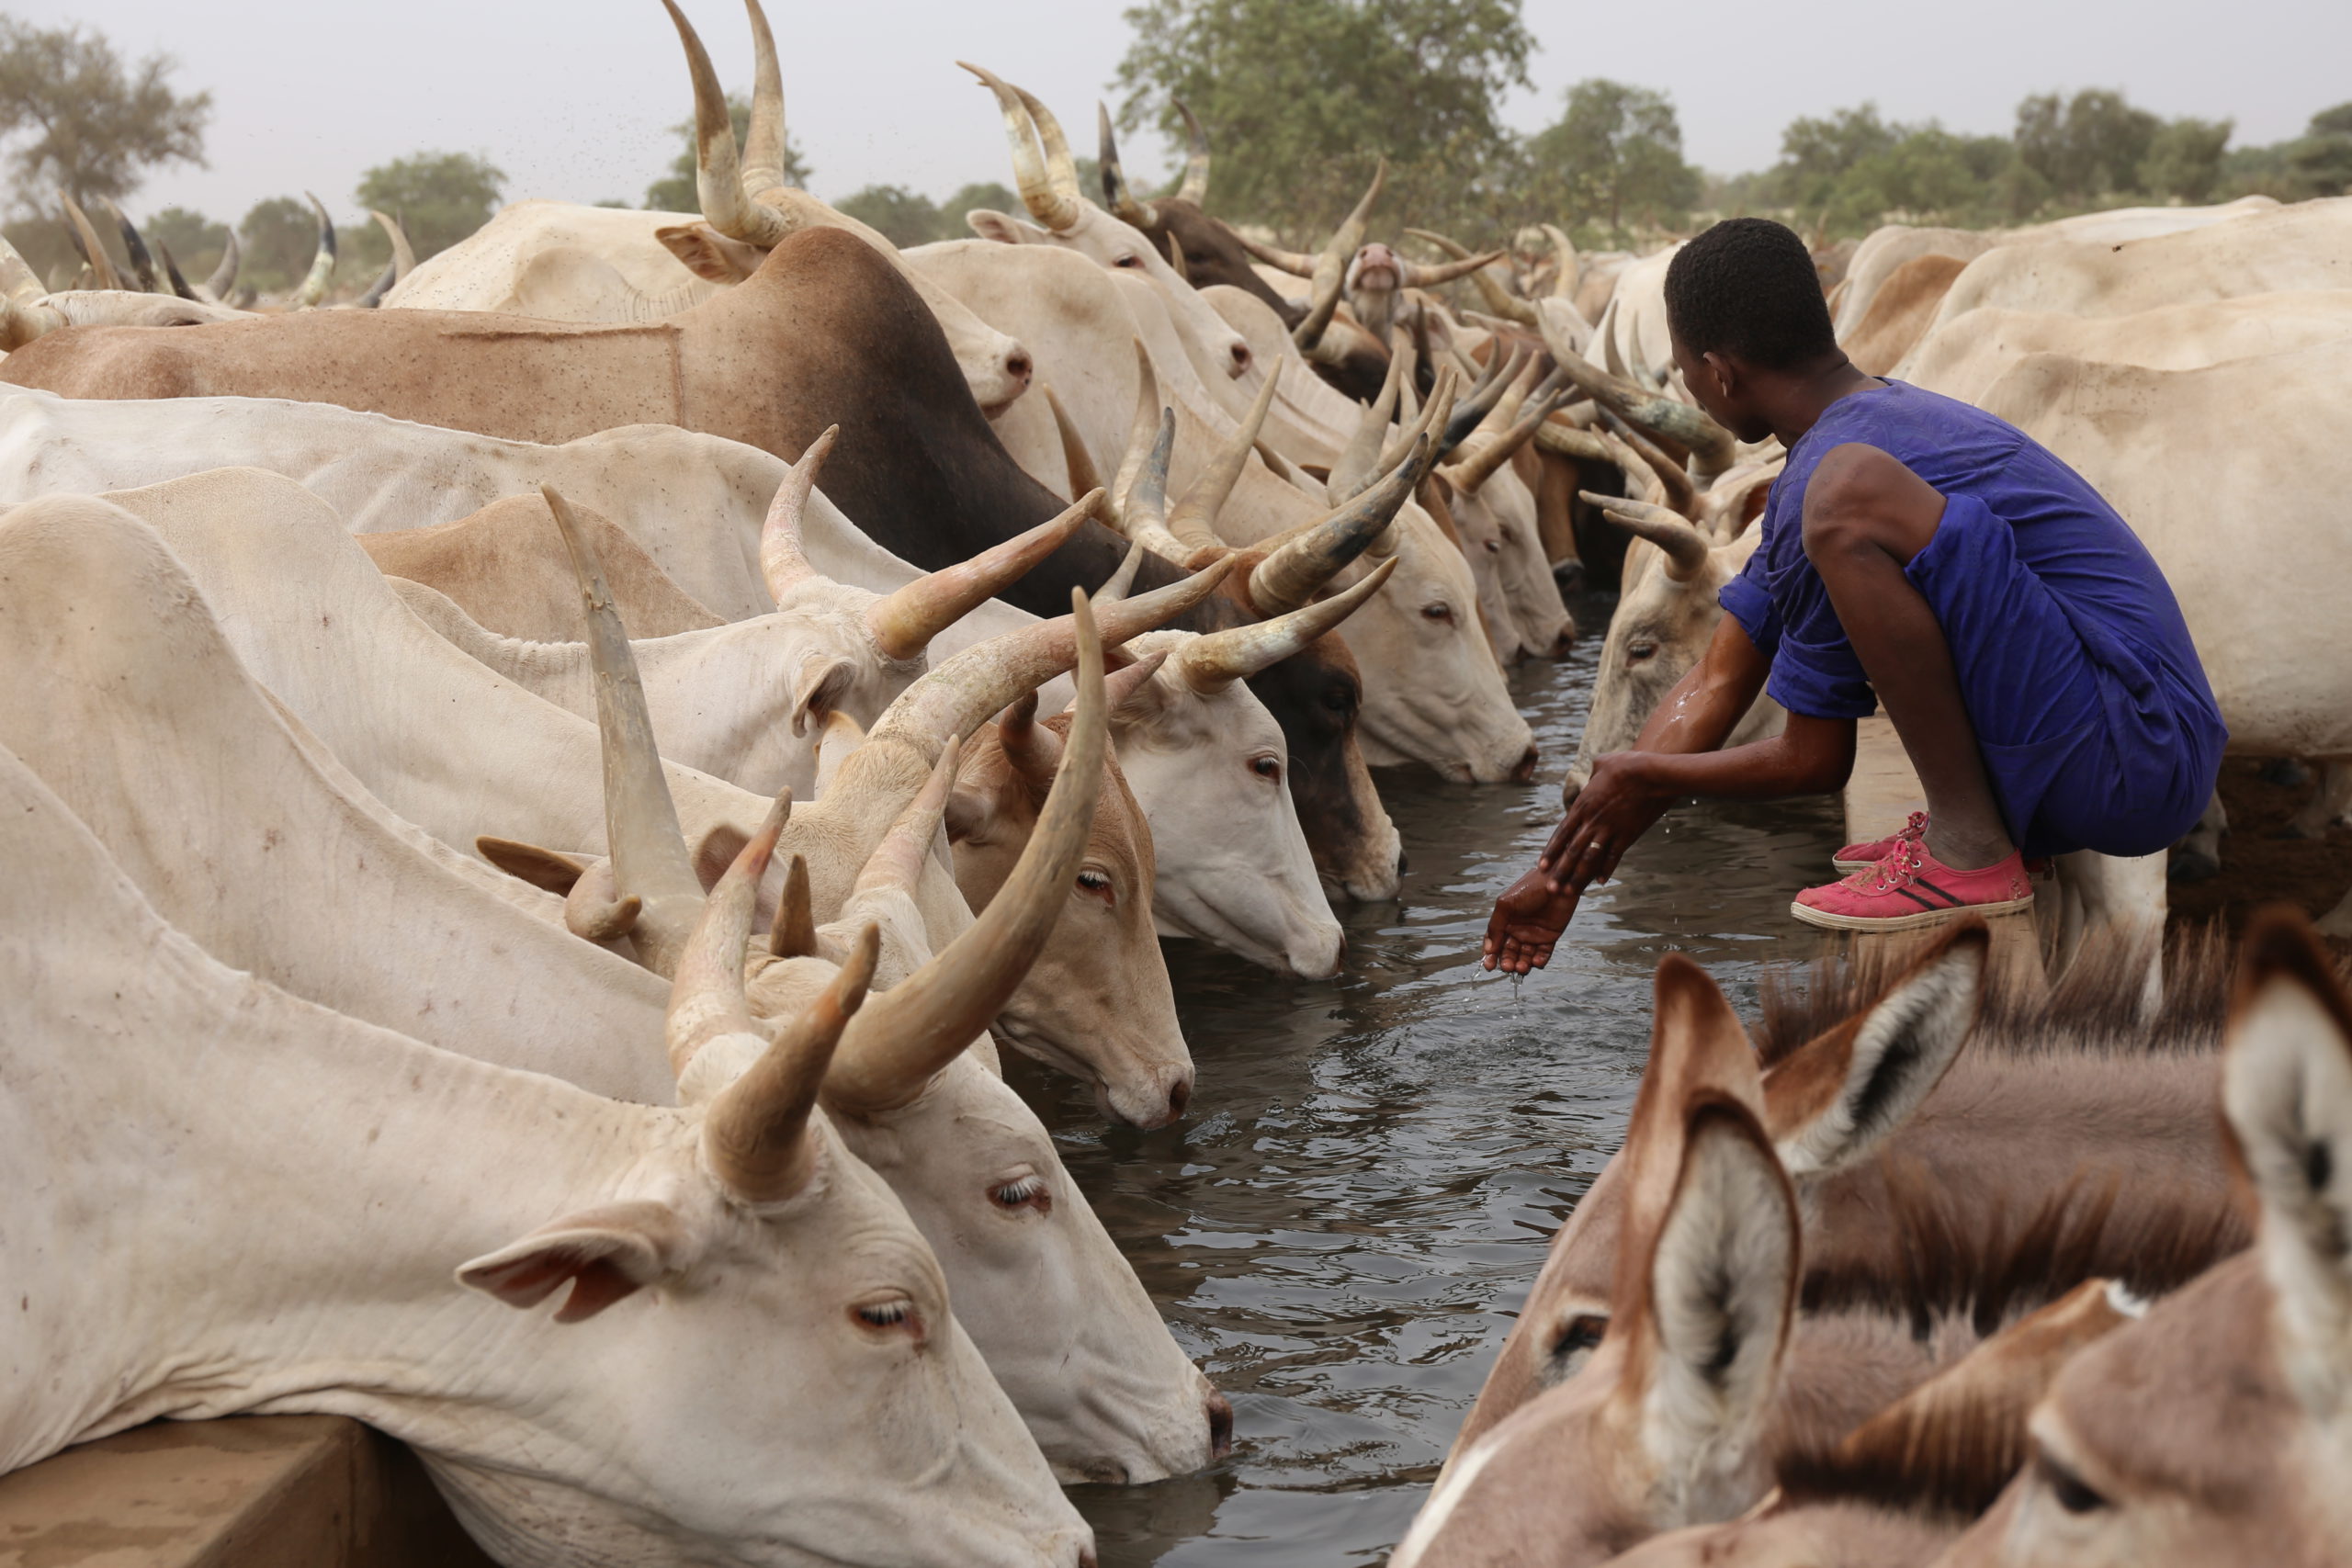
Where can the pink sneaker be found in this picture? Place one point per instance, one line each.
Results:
(1861, 857)
(1911, 887)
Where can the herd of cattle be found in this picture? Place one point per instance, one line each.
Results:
(1003, 606)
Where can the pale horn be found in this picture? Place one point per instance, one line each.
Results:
(1423, 274)
(784, 566)
(1486, 460)
(719, 172)
(764, 136)
(1194, 517)
(909, 1033)
(1684, 544)
(649, 850)
(321, 273)
(1076, 461)
(963, 691)
(1195, 188)
(134, 245)
(1710, 443)
(1042, 192)
(1141, 432)
(1501, 301)
(905, 621)
(225, 272)
(1332, 266)
(1211, 662)
(1359, 460)
(86, 235)
(1298, 569)
(1143, 519)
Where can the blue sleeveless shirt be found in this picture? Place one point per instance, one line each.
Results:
(2096, 724)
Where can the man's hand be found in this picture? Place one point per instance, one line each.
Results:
(1616, 808)
(1526, 924)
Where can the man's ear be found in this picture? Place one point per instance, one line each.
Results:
(605, 1254)
(709, 254)
(990, 224)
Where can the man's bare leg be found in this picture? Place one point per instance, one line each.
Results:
(1865, 516)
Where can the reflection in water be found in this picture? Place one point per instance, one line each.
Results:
(1342, 1228)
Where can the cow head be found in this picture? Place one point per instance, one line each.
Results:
(1203, 250)
(1050, 189)
(748, 207)
(748, 1257)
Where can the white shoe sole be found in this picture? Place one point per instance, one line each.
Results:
(1850, 866)
(1836, 922)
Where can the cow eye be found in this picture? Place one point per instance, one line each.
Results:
(2069, 1490)
(1494, 547)
(1025, 1190)
(1267, 768)
(889, 1313)
(1130, 259)
(1637, 650)
(1097, 885)
(1438, 610)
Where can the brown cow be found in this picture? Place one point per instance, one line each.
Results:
(1900, 315)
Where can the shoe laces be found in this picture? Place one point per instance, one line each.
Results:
(1898, 867)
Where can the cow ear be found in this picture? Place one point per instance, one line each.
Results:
(970, 811)
(2287, 1089)
(990, 224)
(823, 683)
(717, 852)
(1837, 1098)
(709, 254)
(1722, 1290)
(605, 1254)
(550, 869)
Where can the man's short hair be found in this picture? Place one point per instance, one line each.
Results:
(1748, 286)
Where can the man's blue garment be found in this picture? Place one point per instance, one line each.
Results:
(2097, 727)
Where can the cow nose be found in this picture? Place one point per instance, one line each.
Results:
(1404, 863)
(1178, 1097)
(1018, 365)
(1220, 1426)
(1526, 769)
(1241, 358)
(1086, 1558)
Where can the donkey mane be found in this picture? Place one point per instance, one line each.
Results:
(2092, 1010)
(1967, 1254)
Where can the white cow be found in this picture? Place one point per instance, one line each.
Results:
(294, 1253)
(1963, 358)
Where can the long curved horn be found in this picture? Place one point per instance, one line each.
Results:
(966, 690)
(1116, 586)
(1471, 409)
(719, 171)
(86, 236)
(1680, 493)
(1034, 750)
(1634, 469)
(1685, 545)
(1050, 201)
(134, 245)
(1637, 406)
(1482, 464)
(1563, 281)
(1359, 458)
(1176, 262)
(1142, 431)
(1298, 569)
(404, 253)
(1500, 300)
(1145, 518)
(1298, 263)
(225, 272)
(707, 996)
(1115, 194)
(1437, 418)
(897, 860)
(784, 566)
(918, 1026)
(1195, 188)
(1211, 662)
(374, 297)
(763, 138)
(1194, 517)
(1076, 461)
(172, 272)
(793, 933)
(905, 621)
(1332, 266)
(1569, 441)
(755, 1138)
(1422, 275)
(321, 273)
(648, 848)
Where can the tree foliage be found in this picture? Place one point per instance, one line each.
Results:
(2086, 147)
(675, 192)
(195, 241)
(439, 198)
(902, 216)
(1615, 153)
(89, 122)
(1305, 95)
(278, 238)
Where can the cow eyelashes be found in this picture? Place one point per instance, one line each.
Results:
(1028, 1191)
(891, 1312)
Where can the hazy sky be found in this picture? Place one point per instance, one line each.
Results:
(572, 99)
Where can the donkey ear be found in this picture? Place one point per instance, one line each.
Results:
(1722, 1282)
(2287, 1089)
(605, 1254)
(1837, 1098)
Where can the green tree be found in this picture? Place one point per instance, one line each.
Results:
(675, 192)
(96, 123)
(1304, 96)
(1616, 151)
(195, 241)
(902, 216)
(2089, 146)
(2185, 158)
(979, 193)
(1816, 153)
(439, 198)
(278, 238)
(2321, 163)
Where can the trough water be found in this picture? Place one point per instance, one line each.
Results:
(1342, 1228)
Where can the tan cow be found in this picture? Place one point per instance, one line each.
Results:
(1899, 317)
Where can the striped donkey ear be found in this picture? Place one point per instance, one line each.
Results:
(1837, 1098)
